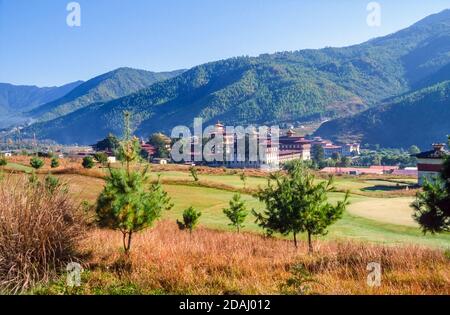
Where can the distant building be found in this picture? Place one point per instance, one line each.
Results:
(149, 150)
(373, 170)
(430, 163)
(292, 147)
(6, 153)
(160, 161)
(352, 170)
(408, 171)
(267, 160)
(349, 149)
(77, 152)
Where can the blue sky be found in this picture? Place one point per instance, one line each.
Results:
(38, 48)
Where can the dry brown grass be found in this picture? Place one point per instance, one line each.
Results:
(63, 163)
(93, 172)
(170, 261)
(38, 232)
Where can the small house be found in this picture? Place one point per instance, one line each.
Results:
(160, 161)
(430, 163)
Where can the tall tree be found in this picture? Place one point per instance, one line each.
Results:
(161, 143)
(317, 154)
(237, 212)
(125, 203)
(336, 157)
(295, 204)
(110, 143)
(413, 150)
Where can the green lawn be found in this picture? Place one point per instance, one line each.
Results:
(354, 185)
(383, 220)
(211, 202)
(19, 167)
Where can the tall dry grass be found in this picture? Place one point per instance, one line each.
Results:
(169, 261)
(39, 228)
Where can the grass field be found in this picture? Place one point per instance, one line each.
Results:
(377, 227)
(379, 210)
(374, 219)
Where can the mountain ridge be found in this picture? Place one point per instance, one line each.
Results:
(295, 86)
(105, 87)
(419, 118)
(15, 99)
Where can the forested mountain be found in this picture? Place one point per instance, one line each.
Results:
(282, 87)
(419, 118)
(105, 87)
(15, 99)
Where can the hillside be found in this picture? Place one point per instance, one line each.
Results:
(297, 86)
(15, 99)
(419, 118)
(105, 87)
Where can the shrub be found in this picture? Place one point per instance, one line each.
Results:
(54, 163)
(190, 219)
(3, 162)
(101, 157)
(36, 163)
(38, 231)
(88, 162)
(237, 212)
(194, 173)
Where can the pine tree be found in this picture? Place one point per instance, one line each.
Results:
(36, 163)
(125, 203)
(190, 219)
(54, 163)
(295, 204)
(243, 178)
(88, 162)
(194, 173)
(237, 212)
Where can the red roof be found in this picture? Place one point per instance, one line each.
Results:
(148, 148)
(385, 167)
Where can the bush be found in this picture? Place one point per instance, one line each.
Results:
(36, 163)
(101, 157)
(38, 231)
(190, 219)
(88, 162)
(54, 163)
(194, 173)
(3, 162)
